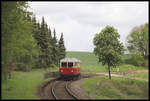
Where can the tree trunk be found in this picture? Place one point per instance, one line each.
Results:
(109, 72)
(5, 75)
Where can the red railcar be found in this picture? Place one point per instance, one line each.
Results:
(69, 67)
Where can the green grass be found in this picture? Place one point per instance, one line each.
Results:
(87, 58)
(117, 88)
(23, 84)
(140, 75)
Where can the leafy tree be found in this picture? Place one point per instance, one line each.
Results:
(18, 44)
(61, 48)
(138, 44)
(108, 47)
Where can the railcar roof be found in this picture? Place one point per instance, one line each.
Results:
(69, 60)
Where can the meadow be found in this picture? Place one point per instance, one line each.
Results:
(116, 88)
(23, 85)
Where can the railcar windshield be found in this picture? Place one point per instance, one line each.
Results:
(70, 64)
(64, 64)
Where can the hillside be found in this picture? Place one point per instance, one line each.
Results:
(87, 58)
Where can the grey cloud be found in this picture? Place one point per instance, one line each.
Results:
(80, 21)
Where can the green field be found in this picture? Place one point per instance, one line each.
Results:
(23, 84)
(117, 88)
(90, 62)
(141, 75)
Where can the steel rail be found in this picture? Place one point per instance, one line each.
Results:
(69, 91)
(66, 89)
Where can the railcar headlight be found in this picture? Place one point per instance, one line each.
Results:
(61, 70)
(72, 71)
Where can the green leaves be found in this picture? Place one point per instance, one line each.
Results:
(61, 48)
(18, 44)
(108, 47)
(138, 44)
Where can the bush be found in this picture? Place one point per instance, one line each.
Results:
(137, 60)
(23, 67)
(20, 67)
(145, 63)
(54, 65)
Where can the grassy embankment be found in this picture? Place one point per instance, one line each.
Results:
(117, 88)
(23, 84)
(141, 75)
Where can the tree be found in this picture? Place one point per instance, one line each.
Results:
(18, 44)
(61, 48)
(50, 46)
(54, 49)
(108, 47)
(43, 44)
(138, 43)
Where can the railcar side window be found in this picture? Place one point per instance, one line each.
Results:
(70, 64)
(64, 64)
(76, 64)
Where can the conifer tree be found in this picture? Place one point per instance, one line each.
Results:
(54, 49)
(50, 47)
(61, 48)
(43, 44)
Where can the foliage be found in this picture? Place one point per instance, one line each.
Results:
(108, 47)
(138, 44)
(54, 48)
(26, 44)
(61, 48)
(18, 44)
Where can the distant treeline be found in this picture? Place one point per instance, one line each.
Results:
(26, 43)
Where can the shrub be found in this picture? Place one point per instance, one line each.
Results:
(137, 60)
(54, 65)
(145, 63)
(23, 67)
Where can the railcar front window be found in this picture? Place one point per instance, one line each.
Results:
(64, 64)
(70, 64)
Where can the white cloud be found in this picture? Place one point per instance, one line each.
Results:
(79, 21)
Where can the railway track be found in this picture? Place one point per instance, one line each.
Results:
(61, 91)
(56, 89)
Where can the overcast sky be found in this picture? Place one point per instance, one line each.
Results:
(80, 21)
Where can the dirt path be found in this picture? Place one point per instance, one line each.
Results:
(127, 74)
